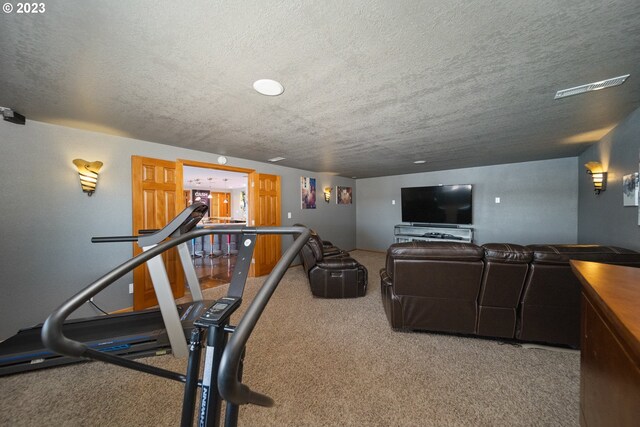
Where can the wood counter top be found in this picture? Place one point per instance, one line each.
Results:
(618, 289)
(609, 344)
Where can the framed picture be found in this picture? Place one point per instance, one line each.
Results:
(343, 195)
(630, 189)
(308, 192)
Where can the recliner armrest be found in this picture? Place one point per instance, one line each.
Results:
(338, 263)
(330, 251)
(385, 279)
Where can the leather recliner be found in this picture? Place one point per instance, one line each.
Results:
(550, 304)
(432, 286)
(328, 248)
(527, 293)
(505, 270)
(332, 273)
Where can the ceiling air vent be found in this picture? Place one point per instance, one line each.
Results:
(616, 81)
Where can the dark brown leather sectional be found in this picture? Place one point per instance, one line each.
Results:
(527, 293)
(332, 273)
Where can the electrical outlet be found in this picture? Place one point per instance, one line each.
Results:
(289, 215)
(130, 288)
(393, 202)
(497, 199)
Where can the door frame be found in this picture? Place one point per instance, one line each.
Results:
(180, 163)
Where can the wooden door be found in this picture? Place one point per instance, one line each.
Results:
(157, 193)
(264, 210)
(214, 205)
(218, 206)
(225, 202)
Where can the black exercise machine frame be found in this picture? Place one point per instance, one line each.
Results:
(225, 379)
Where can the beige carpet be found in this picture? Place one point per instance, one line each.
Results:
(325, 362)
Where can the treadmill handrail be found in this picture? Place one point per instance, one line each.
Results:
(183, 223)
(114, 239)
(230, 388)
(119, 239)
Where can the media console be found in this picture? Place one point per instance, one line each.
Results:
(432, 233)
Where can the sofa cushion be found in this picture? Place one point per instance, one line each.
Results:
(420, 250)
(451, 251)
(561, 254)
(507, 252)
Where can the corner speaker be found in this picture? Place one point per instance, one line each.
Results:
(13, 117)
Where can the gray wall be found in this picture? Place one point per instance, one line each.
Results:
(603, 219)
(47, 222)
(539, 202)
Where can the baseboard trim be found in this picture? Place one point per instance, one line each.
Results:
(370, 250)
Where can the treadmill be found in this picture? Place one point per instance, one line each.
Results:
(132, 335)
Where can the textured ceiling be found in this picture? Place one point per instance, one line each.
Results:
(370, 86)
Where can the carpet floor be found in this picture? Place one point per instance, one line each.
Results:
(324, 362)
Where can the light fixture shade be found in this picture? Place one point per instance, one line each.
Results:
(88, 172)
(327, 194)
(598, 175)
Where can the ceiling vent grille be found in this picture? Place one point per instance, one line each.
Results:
(589, 87)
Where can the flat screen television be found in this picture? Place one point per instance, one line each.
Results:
(442, 204)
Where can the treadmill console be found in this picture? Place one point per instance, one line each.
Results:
(219, 312)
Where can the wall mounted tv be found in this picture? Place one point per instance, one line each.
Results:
(442, 204)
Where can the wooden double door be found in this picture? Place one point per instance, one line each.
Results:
(157, 198)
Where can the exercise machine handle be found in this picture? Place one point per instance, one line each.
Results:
(230, 388)
(112, 239)
(120, 239)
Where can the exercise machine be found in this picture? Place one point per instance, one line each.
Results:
(137, 334)
(224, 343)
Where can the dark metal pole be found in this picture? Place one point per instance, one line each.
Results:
(191, 386)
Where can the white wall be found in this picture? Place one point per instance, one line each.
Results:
(539, 202)
(47, 222)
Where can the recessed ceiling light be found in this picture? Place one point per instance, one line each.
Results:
(589, 87)
(276, 159)
(419, 162)
(268, 87)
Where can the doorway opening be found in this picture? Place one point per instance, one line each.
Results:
(225, 192)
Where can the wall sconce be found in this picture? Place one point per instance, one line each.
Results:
(327, 194)
(88, 172)
(598, 175)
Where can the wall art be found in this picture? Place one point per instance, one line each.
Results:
(630, 189)
(308, 192)
(343, 195)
